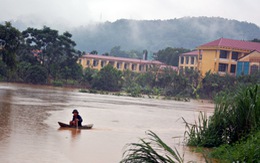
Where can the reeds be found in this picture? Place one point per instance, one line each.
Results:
(235, 116)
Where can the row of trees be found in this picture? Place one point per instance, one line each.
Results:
(38, 55)
(166, 82)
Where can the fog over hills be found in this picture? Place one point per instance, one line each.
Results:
(188, 32)
(153, 35)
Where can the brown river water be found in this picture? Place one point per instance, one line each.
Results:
(29, 132)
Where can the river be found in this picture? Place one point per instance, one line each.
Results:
(29, 131)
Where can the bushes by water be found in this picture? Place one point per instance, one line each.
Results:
(236, 117)
(245, 150)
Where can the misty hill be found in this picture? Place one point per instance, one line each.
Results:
(153, 35)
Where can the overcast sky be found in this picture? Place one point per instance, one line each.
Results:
(73, 13)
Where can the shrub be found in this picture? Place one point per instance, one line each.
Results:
(235, 116)
(247, 150)
(57, 83)
(36, 75)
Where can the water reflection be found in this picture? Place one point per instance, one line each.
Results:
(75, 133)
(5, 112)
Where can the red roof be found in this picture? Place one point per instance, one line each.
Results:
(192, 53)
(111, 58)
(229, 43)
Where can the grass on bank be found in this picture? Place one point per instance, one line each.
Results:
(233, 129)
(245, 150)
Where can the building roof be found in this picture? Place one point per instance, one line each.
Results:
(192, 53)
(230, 43)
(257, 51)
(111, 58)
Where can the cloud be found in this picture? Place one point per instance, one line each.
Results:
(73, 13)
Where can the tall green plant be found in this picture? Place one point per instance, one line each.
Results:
(235, 116)
(151, 150)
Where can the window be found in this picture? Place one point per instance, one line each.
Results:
(233, 69)
(147, 67)
(182, 60)
(200, 54)
(254, 69)
(111, 63)
(103, 63)
(80, 61)
(187, 60)
(222, 67)
(95, 63)
(133, 66)
(223, 54)
(88, 62)
(118, 65)
(234, 55)
(192, 61)
(126, 66)
(141, 67)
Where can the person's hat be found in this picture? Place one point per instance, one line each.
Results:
(75, 111)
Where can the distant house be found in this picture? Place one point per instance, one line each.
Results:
(136, 65)
(228, 56)
(188, 60)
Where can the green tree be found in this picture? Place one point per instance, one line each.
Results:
(3, 70)
(22, 69)
(170, 55)
(108, 79)
(36, 74)
(194, 82)
(94, 52)
(215, 83)
(71, 70)
(256, 40)
(11, 36)
(88, 76)
(172, 83)
(54, 49)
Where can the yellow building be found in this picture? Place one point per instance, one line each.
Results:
(188, 60)
(222, 56)
(98, 62)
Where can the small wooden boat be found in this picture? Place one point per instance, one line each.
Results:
(64, 125)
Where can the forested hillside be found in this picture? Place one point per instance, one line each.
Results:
(153, 35)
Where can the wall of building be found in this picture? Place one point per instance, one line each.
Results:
(207, 61)
(185, 61)
(135, 66)
(212, 60)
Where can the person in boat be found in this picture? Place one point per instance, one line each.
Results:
(76, 119)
